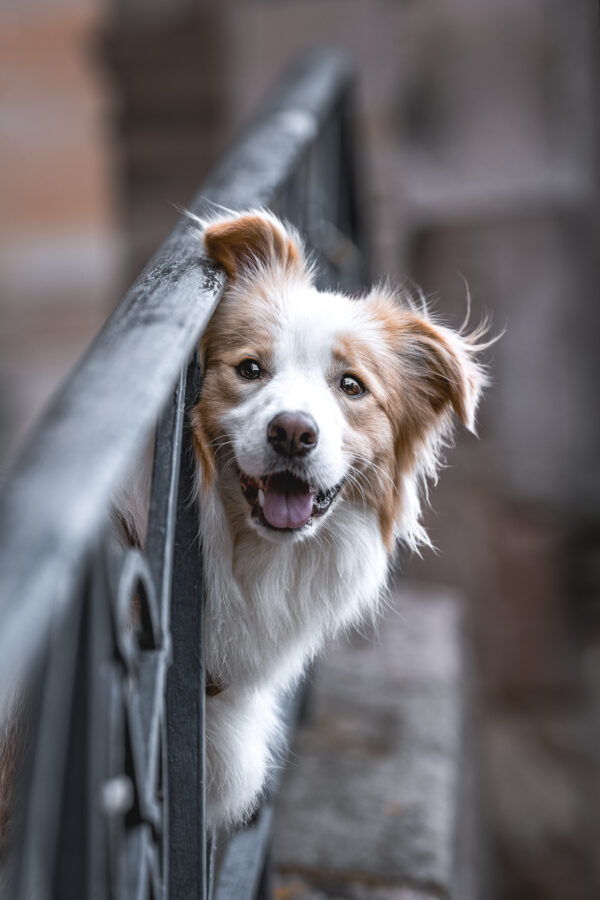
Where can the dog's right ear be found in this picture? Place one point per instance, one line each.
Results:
(255, 239)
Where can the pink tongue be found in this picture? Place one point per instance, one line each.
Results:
(288, 502)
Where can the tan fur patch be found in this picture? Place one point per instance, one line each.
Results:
(248, 238)
(238, 330)
(415, 375)
(370, 439)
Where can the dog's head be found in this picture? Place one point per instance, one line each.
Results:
(311, 399)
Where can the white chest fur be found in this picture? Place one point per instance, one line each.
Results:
(270, 606)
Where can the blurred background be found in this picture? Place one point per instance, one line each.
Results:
(477, 124)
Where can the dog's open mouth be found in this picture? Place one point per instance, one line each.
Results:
(285, 502)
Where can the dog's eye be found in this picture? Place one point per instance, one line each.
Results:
(352, 386)
(249, 369)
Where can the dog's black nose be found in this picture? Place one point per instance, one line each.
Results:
(293, 433)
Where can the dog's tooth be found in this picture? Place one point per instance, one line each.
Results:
(261, 497)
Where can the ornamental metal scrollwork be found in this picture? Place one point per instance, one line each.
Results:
(137, 793)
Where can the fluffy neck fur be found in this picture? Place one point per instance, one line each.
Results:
(270, 607)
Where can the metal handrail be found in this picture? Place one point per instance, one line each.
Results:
(131, 814)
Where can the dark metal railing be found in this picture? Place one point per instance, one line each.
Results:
(102, 647)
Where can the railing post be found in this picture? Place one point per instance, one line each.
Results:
(186, 688)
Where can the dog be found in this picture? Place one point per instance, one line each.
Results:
(321, 420)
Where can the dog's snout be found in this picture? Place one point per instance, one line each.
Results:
(293, 433)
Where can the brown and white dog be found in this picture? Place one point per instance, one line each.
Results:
(321, 419)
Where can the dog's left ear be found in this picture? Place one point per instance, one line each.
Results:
(442, 362)
(251, 240)
(430, 372)
(438, 368)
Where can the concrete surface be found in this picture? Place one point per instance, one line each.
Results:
(369, 806)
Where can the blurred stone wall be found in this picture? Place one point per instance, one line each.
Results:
(59, 248)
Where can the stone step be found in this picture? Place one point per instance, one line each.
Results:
(378, 799)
